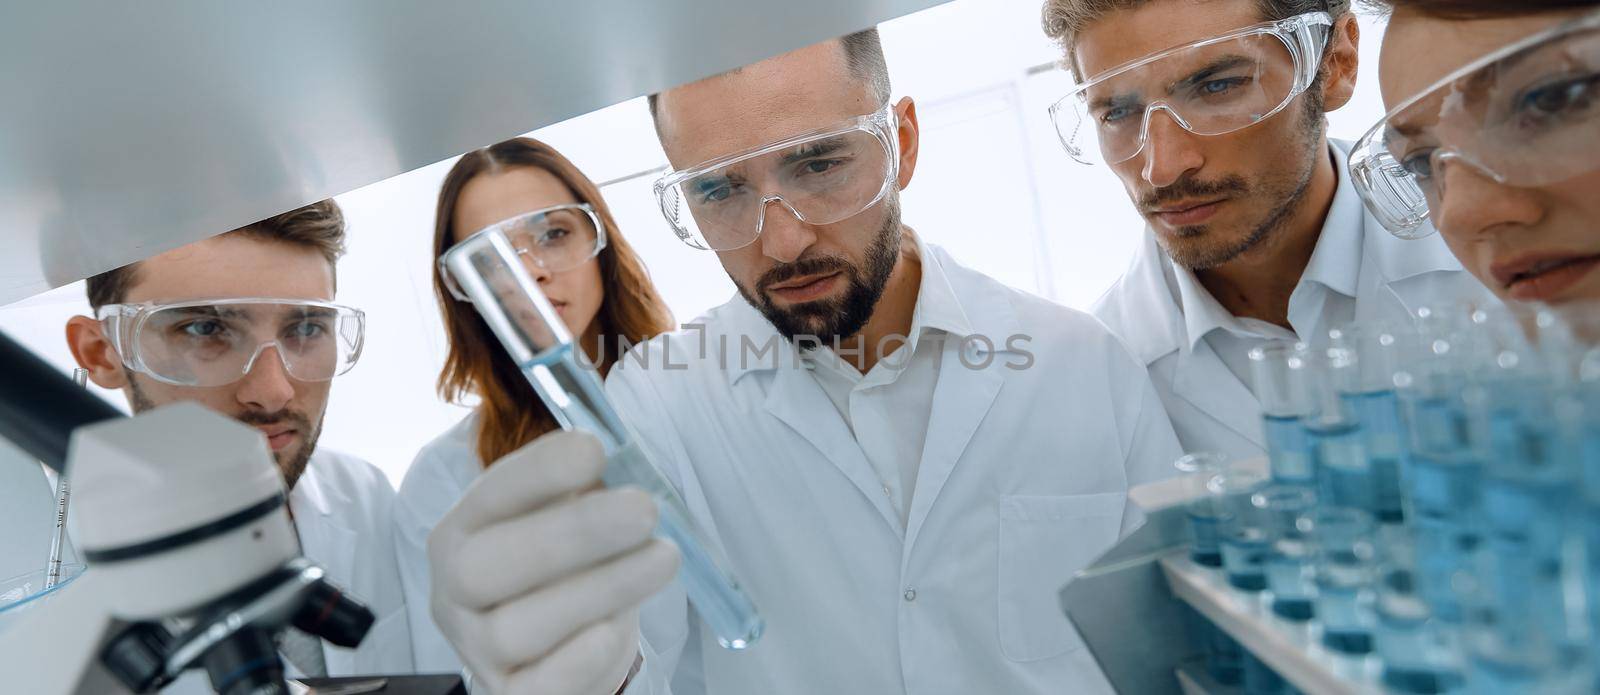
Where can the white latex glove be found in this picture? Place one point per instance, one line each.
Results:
(538, 573)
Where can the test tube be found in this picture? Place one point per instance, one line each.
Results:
(487, 270)
(1528, 486)
(1286, 510)
(1206, 512)
(1346, 562)
(1420, 655)
(1285, 397)
(58, 539)
(1244, 539)
(1367, 360)
(1441, 488)
(1338, 455)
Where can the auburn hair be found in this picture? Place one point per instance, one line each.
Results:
(510, 413)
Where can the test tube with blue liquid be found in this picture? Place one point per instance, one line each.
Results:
(486, 269)
(1366, 360)
(1347, 558)
(1245, 538)
(1440, 488)
(1420, 655)
(1520, 634)
(1277, 370)
(1338, 452)
(1205, 511)
(1286, 512)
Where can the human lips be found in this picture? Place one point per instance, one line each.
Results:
(1186, 213)
(1541, 276)
(806, 287)
(279, 437)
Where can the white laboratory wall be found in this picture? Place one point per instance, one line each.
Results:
(992, 185)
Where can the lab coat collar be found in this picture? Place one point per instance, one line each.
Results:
(1396, 259)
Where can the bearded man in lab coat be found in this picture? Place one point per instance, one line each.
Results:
(902, 459)
(1213, 118)
(244, 323)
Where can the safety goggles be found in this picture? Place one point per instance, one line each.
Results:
(556, 238)
(215, 342)
(821, 177)
(1210, 87)
(1525, 115)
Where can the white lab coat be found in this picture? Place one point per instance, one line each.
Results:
(342, 511)
(1211, 409)
(1023, 481)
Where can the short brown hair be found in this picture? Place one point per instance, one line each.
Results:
(1480, 9)
(863, 54)
(1064, 19)
(318, 226)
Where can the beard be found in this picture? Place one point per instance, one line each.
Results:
(291, 463)
(1194, 248)
(832, 320)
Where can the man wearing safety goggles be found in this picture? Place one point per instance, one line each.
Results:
(1493, 136)
(1212, 115)
(244, 323)
(903, 479)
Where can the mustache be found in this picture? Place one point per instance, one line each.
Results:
(820, 265)
(1187, 187)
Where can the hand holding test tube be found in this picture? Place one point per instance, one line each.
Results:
(485, 269)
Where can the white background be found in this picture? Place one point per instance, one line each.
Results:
(992, 185)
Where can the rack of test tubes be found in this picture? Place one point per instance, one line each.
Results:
(1427, 520)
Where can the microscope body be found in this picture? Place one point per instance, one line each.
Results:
(181, 515)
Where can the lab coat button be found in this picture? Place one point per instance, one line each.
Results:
(911, 595)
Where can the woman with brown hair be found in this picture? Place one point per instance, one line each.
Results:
(1493, 135)
(592, 277)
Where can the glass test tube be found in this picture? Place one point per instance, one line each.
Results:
(1244, 540)
(1338, 454)
(1285, 399)
(58, 539)
(1420, 655)
(1346, 561)
(1286, 511)
(1205, 511)
(487, 269)
(1368, 358)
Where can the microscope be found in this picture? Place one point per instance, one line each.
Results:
(193, 562)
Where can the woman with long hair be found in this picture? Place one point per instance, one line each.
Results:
(592, 277)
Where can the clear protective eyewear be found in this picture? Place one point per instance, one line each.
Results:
(556, 238)
(821, 177)
(1527, 114)
(215, 342)
(1210, 87)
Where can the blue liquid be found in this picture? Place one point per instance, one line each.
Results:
(1444, 494)
(1415, 658)
(1344, 605)
(1206, 548)
(1526, 528)
(1290, 580)
(1591, 538)
(1244, 554)
(1384, 438)
(1344, 478)
(1289, 449)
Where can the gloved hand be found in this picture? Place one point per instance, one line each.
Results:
(538, 573)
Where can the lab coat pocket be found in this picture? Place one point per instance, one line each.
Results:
(1044, 541)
